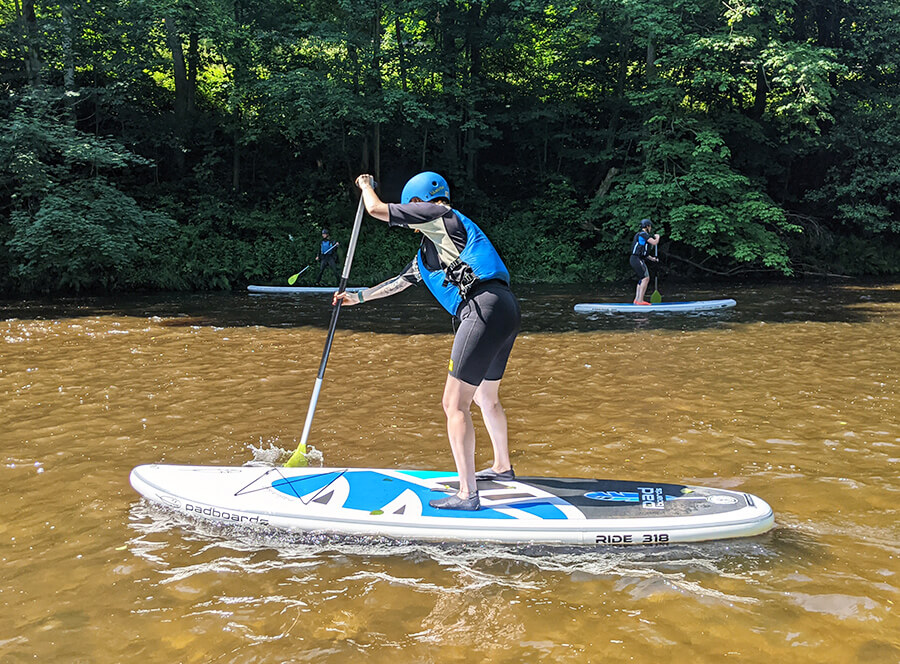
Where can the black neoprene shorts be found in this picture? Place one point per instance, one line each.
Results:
(639, 266)
(489, 322)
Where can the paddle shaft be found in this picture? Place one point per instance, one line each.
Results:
(656, 275)
(335, 311)
(656, 297)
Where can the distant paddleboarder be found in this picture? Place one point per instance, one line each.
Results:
(463, 271)
(327, 258)
(640, 246)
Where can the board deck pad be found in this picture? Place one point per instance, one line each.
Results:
(658, 307)
(394, 503)
(299, 290)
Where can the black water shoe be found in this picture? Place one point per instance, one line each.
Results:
(491, 474)
(454, 502)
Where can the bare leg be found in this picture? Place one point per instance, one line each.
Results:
(642, 288)
(487, 397)
(457, 401)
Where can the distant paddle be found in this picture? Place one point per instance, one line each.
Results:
(293, 278)
(298, 458)
(656, 298)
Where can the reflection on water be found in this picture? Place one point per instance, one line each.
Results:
(792, 396)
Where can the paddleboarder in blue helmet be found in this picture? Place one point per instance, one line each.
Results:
(463, 271)
(640, 246)
(327, 258)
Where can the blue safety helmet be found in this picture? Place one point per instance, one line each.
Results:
(426, 186)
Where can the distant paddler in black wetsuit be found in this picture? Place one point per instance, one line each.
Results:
(326, 257)
(639, 254)
(461, 268)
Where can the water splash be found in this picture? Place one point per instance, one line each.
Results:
(273, 455)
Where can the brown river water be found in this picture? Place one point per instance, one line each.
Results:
(792, 396)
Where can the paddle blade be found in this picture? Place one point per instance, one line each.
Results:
(298, 458)
(293, 279)
(656, 298)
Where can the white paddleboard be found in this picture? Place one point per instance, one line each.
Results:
(291, 290)
(394, 503)
(621, 307)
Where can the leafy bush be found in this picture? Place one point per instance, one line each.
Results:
(713, 214)
(540, 239)
(89, 234)
(71, 228)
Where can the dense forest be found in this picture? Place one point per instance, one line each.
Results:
(170, 144)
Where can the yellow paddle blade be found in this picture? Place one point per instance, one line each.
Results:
(293, 279)
(298, 458)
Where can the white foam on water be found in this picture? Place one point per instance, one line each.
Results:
(273, 455)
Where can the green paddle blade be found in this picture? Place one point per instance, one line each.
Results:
(293, 279)
(656, 298)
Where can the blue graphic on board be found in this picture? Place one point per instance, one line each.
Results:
(371, 491)
(646, 495)
(614, 496)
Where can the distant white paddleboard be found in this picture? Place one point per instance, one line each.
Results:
(287, 290)
(619, 307)
(394, 503)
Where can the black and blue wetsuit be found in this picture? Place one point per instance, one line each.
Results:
(328, 259)
(639, 248)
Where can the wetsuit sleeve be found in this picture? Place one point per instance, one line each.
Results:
(409, 215)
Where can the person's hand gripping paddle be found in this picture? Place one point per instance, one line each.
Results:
(298, 458)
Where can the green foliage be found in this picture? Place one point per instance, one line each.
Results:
(801, 89)
(40, 147)
(202, 144)
(81, 236)
(69, 227)
(865, 185)
(540, 239)
(689, 189)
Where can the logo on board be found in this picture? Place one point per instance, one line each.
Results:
(649, 497)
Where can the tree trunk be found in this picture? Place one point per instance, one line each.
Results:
(236, 155)
(30, 50)
(364, 157)
(445, 39)
(68, 55)
(401, 54)
(473, 84)
(624, 61)
(762, 87)
(424, 149)
(193, 65)
(173, 39)
(375, 78)
(800, 21)
(376, 152)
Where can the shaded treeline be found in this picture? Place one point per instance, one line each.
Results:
(171, 144)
